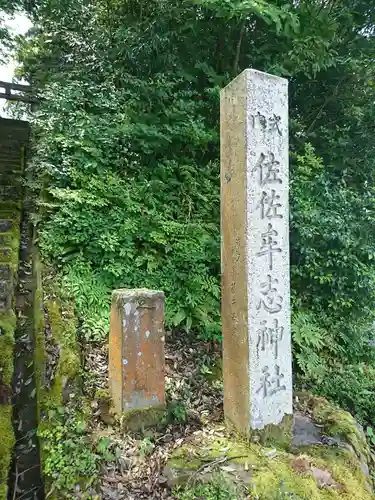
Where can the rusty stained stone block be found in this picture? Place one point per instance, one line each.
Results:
(136, 350)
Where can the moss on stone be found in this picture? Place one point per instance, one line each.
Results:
(103, 394)
(63, 325)
(143, 418)
(12, 238)
(274, 435)
(39, 349)
(7, 327)
(63, 329)
(7, 442)
(267, 469)
(339, 424)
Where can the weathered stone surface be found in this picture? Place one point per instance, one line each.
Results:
(4, 252)
(6, 289)
(5, 272)
(339, 430)
(5, 240)
(5, 302)
(305, 432)
(136, 350)
(255, 251)
(5, 225)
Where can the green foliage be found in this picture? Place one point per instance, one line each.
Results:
(353, 386)
(126, 150)
(146, 447)
(125, 227)
(69, 455)
(370, 436)
(218, 489)
(281, 493)
(91, 297)
(177, 412)
(104, 449)
(309, 343)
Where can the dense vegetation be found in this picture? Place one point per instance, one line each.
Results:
(126, 154)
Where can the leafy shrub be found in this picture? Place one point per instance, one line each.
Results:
(91, 297)
(333, 280)
(309, 343)
(126, 150)
(221, 488)
(218, 489)
(115, 223)
(69, 458)
(353, 388)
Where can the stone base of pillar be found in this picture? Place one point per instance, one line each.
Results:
(280, 435)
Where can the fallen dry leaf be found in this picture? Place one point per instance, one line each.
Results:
(301, 464)
(323, 478)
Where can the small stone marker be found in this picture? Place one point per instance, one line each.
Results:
(255, 252)
(136, 350)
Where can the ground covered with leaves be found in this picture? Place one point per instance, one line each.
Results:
(134, 465)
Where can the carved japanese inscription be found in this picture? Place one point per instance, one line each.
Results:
(255, 211)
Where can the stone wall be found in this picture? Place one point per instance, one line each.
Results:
(56, 360)
(13, 142)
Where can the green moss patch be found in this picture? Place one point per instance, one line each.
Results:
(338, 424)
(7, 327)
(7, 442)
(142, 418)
(63, 334)
(269, 471)
(67, 455)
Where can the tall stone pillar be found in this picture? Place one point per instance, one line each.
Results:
(255, 252)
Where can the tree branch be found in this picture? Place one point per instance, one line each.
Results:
(238, 49)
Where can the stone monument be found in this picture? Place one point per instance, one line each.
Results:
(136, 351)
(255, 253)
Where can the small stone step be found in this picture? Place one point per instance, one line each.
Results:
(5, 272)
(10, 167)
(6, 292)
(6, 166)
(6, 225)
(9, 193)
(17, 160)
(12, 153)
(6, 240)
(9, 214)
(9, 178)
(5, 254)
